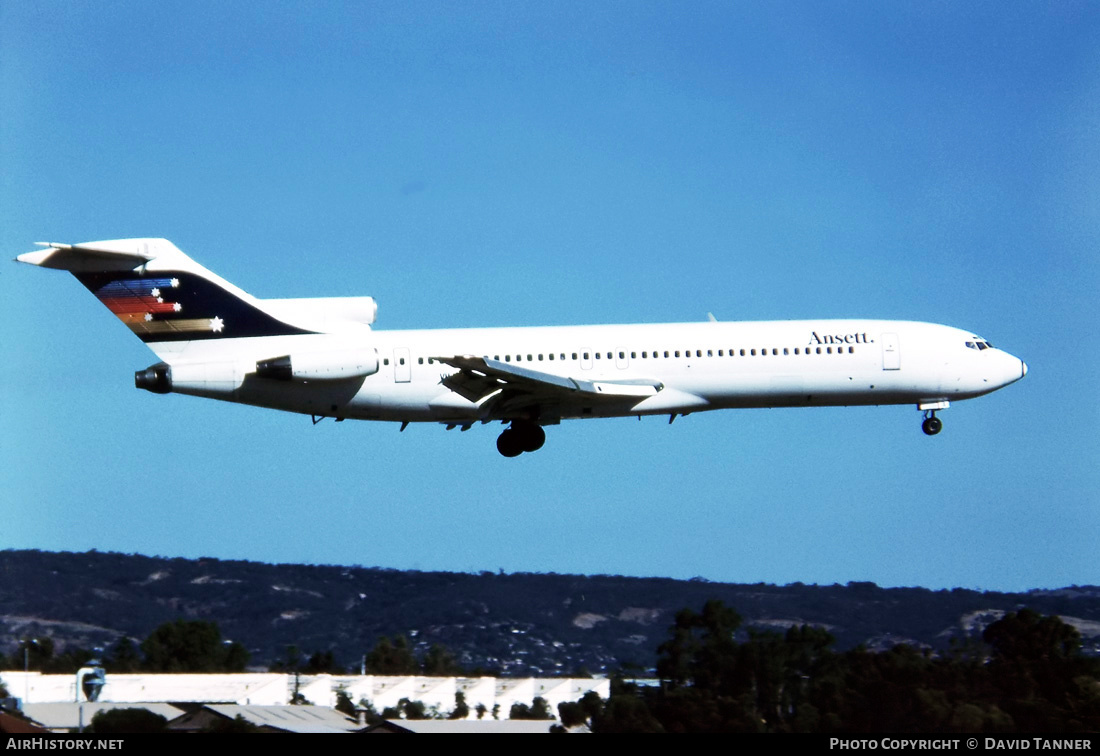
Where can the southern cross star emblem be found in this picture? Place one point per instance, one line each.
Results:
(217, 324)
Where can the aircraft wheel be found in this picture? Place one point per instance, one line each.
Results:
(509, 443)
(533, 437)
(931, 426)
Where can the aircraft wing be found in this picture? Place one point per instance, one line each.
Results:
(480, 377)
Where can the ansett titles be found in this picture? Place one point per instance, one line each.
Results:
(840, 338)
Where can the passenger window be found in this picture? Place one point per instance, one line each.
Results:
(796, 350)
(785, 350)
(507, 358)
(622, 355)
(666, 354)
(419, 360)
(551, 356)
(386, 361)
(753, 352)
(677, 352)
(402, 360)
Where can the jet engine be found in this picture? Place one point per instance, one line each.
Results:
(156, 378)
(320, 366)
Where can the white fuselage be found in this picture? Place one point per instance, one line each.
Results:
(321, 357)
(697, 366)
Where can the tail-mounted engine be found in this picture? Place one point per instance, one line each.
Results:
(320, 366)
(156, 378)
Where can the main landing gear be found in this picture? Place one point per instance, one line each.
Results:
(932, 424)
(522, 436)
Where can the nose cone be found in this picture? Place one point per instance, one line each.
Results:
(1012, 368)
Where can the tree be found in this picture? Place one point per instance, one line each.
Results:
(195, 646)
(1045, 683)
(407, 709)
(1030, 637)
(323, 662)
(344, 703)
(439, 662)
(392, 657)
(113, 721)
(123, 656)
(538, 709)
(702, 650)
(461, 709)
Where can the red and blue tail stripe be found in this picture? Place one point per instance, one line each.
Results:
(180, 306)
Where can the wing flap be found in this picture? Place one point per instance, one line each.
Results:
(479, 377)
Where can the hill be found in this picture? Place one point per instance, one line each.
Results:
(517, 624)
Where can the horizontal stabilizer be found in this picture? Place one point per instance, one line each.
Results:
(95, 256)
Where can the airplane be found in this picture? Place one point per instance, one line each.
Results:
(322, 358)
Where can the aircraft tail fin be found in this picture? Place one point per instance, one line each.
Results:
(161, 294)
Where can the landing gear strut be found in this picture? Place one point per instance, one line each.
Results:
(522, 436)
(932, 424)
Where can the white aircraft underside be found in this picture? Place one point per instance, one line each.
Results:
(321, 357)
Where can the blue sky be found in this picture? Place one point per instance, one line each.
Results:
(476, 164)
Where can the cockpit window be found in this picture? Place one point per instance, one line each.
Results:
(979, 344)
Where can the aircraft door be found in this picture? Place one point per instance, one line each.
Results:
(402, 365)
(586, 358)
(891, 352)
(622, 359)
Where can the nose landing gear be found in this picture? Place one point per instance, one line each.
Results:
(932, 424)
(522, 436)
